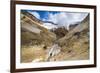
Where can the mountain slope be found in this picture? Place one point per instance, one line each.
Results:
(76, 42)
(34, 38)
(32, 30)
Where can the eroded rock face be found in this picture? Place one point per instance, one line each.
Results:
(60, 32)
(32, 33)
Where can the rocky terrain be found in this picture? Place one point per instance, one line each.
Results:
(39, 44)
(75, 44)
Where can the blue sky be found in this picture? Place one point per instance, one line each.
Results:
(60, 18)
(42, 14)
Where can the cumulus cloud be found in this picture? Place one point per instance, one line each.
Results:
(66, 18)
(36, 14)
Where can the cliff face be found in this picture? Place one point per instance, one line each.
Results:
(60, 32)
(32, 33)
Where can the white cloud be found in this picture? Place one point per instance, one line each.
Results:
(66, 18)
(36, 14)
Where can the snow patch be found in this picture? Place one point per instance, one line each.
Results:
(49, 25)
